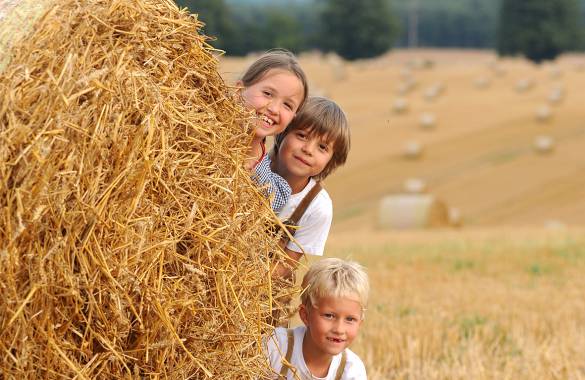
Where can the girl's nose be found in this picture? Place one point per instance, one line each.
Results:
(272, 107)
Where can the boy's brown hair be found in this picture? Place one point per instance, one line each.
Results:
(322, 117)
(276, 59)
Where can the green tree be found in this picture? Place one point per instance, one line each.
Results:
(357, 29)
(216, 15)
(538, 29)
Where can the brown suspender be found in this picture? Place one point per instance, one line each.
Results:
(286, 363)
(301, 208)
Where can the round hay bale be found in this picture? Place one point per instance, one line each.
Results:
(543, 114)
(412, 211)
(428, 120)
(524, 85)
(544, 144)
(556, 95)
(132, 241)
(400, 105)
(412, 150)
(497, 69)
(555, 225)
(434, 91)
(415, 186)
(482, 82)
(406, 73)
(406, 86)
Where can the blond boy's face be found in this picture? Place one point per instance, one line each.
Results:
(332, 325)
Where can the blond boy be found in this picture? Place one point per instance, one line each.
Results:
(332, 310)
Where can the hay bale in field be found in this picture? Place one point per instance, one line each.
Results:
(543, 114)
(434, 91)
(428, 120)
(482, 82)
(414, 186)
(132, 241)
(406, 86)
(524, 85)
(556, 95)
(400, 105)
(412, 150)
(543, 144)
(412, 211)
(555, 72)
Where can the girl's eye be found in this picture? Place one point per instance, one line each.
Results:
(328, 315)
(267, 93)
(351, 319)
(288, 106)
(324, 147)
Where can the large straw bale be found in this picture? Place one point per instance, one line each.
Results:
(412, 211)
(132, 241)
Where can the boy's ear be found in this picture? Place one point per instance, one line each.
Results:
(304, 314)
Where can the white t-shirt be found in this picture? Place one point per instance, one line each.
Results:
(315, 223)
(277, 345)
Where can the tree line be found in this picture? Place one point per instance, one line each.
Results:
(537, 29)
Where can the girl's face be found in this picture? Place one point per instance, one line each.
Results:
(275, 98)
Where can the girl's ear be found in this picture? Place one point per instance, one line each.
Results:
(303, 313)
(240, 85)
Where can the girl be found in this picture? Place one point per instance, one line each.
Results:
(275, 87)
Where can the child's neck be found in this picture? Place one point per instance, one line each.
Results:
(317, 362)
(256, 148)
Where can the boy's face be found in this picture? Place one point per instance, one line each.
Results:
(275, 98)
(301, 155)
(332, 325)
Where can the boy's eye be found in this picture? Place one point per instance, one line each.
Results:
(328, 315)
(267, 93)
(324, 147)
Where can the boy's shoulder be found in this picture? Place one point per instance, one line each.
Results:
(354, 366)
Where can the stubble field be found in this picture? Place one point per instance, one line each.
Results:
(502, 296)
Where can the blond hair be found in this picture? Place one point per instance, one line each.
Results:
(333, 277)
(321, 117)
(276, 59)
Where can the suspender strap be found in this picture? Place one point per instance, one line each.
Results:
(302, 207)
(286, 364)
(341, 367)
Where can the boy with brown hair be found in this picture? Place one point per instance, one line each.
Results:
(315, 143)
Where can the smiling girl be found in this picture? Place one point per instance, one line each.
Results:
(275, 88)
